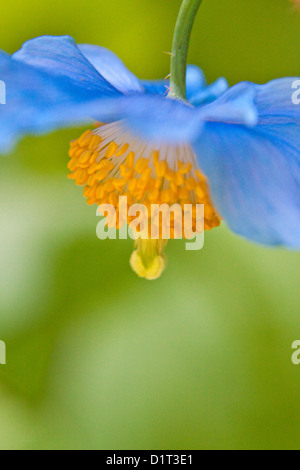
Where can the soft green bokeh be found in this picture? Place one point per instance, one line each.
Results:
(97, 358)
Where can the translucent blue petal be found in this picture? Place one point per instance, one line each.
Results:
(42, 98)
(236, 106)
(156, 87)
(254, 173)
(161, 119)
(275, 101)
(164, 120)
(152, 117)
(51, 84)
(209, 93)
(60, 57)
(111, 68)
(195, 83)
(38, 102)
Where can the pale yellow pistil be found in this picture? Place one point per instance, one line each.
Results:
(148, 260)
(110, 164)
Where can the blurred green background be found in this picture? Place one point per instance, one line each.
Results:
(99, 359)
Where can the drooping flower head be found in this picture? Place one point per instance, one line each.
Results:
(235, 150)
(111, 163)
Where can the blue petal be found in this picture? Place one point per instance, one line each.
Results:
(111, 68)
(51, 84)
(236, 106)
(254, 173)
(156, 87)
(275, 101)
(210, 93)
(38, 102)
(50, 93)
(151, 117)
(61, 58)
(170, 121)
(195, 83)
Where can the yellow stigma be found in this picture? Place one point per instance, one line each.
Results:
(109, 163)
(148, 260)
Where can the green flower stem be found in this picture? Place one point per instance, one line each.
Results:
(183, 30)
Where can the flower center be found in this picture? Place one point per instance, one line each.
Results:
(110, 163)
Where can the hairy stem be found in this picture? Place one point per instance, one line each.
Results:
(183, 30)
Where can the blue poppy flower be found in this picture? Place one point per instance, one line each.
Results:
(235, 149)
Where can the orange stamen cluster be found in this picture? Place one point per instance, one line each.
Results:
(109, 170)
